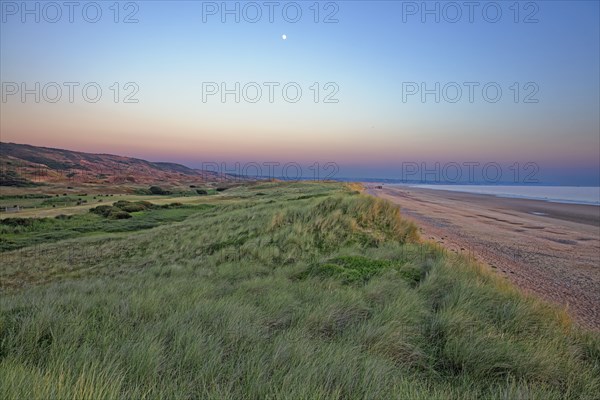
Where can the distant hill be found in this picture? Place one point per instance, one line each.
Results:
(26, 165)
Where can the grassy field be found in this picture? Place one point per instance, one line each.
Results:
(20, 232)
(47, 212)
(49, 201)
(278, 290)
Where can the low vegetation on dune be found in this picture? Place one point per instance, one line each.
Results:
(277, 290)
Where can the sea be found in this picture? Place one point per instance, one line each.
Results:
(557, 194)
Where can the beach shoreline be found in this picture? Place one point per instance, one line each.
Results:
(545, 248)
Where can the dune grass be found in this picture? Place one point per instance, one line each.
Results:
(281, 290)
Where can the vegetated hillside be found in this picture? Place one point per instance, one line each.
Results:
(25, 165)
(277, 290)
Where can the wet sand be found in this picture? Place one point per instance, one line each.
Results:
(549, 249)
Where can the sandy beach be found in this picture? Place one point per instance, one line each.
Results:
(549, 249)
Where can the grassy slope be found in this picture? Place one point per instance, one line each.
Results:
(280, 291)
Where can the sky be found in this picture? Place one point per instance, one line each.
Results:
(487, 91)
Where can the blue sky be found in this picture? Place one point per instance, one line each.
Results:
(374, 50)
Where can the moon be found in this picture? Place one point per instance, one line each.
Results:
(284, 37)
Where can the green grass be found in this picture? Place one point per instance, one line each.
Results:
(356, 269)
(85, 196)
(19, 233)
(29, 201)
(304, 291)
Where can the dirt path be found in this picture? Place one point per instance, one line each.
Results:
(550, 249)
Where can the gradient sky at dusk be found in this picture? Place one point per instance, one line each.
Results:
(368, 54)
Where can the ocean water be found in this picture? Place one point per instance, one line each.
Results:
(557, 194)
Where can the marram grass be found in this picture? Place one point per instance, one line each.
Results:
(281, 290)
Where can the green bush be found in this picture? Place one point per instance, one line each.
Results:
(103, 210)
(171, 205)
(119, 214)
(17, 221)
(133, 206)
(158, 190)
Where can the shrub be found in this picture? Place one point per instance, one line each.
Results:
(17, 221)
(122, 207)
(103, 211)
(202, 191)
(158, 190)
(119, 214)
(172, 205)
(129, 206)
